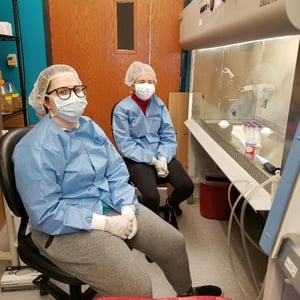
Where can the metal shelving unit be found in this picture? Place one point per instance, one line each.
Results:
(12, 254)
(17, 38)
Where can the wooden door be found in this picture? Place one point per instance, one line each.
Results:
(83, 34)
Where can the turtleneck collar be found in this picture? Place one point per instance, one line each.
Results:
(141, 103)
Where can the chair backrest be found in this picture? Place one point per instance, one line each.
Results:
(7, 177)
(27, 250)
(111, 120)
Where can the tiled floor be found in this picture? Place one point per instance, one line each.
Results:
(206, 241)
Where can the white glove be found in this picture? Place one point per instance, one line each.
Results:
(163, 160)
(161, 167)
(118, 225)
(162, 173)
(128, 211)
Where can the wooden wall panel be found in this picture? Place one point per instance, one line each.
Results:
(2, 214)
(178, 107)
(165, 50)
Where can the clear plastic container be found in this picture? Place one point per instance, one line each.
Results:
(252, 138)
(16, 97)
(6, 99)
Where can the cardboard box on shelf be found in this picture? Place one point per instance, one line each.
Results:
(5, 28)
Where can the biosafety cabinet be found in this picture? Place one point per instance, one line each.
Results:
(244, 88)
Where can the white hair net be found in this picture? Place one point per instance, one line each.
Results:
(37, 95)
(136, 69)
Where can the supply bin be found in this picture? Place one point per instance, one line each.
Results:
(213, 197)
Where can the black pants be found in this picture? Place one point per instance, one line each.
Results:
(145, 178)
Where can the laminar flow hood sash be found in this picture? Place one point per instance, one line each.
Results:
(207, 24)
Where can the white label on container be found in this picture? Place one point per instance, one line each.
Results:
(291, 267)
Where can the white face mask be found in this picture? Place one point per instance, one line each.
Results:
(144, 90)
(71, 109)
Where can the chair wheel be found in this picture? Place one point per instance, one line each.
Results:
(40, 281)
(43, 291)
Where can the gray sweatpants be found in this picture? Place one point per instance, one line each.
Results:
(106, 263)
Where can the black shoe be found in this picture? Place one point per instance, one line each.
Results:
(178, 211)
(166, 213)
(204, 290)
(207, 290)
(169, 216)
(149, 259)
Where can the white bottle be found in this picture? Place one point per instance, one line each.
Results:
(251, 141)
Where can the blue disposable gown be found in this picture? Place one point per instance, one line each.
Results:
(64, 176)
(141, 137)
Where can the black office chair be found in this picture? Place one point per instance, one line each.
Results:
(27, 250)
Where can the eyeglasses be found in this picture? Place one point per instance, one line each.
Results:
(64, 93)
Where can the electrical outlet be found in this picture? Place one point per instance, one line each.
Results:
(12, 60)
